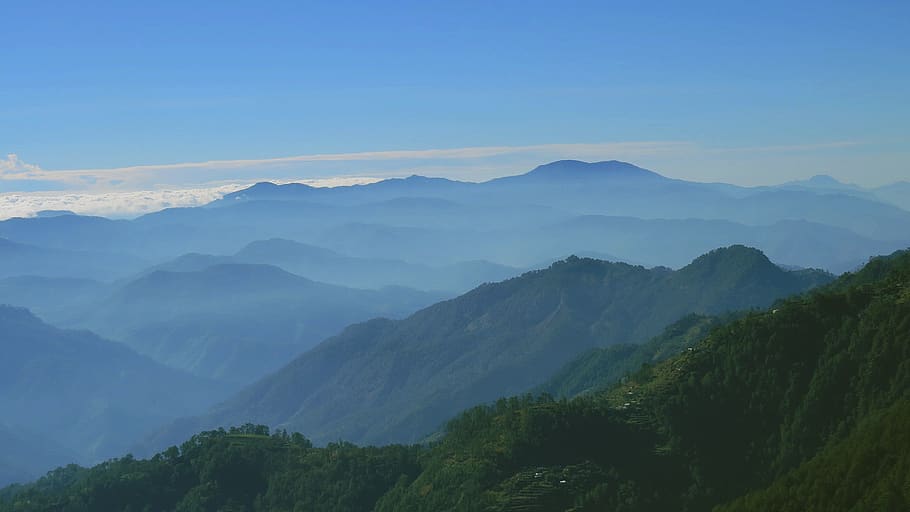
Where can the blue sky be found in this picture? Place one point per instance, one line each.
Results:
(742, 92)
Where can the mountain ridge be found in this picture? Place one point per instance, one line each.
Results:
(385, 380)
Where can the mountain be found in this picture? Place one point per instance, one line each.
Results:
(801, 407)
(331, 267)
(392, 188)
(236, 322)
(895, 193)
(563, 171)
(824, 184)
(674, 243)
(51, 297)
(391, 381)
(26, 456)
(508, 221)
(20, 259)
(92, 397)
(604, 366)
(621, 189)
(653, 242)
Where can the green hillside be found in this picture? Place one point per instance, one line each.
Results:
(601, 367)
(397, 381)
(801, 407)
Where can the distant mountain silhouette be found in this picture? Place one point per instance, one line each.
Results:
(331, 267)
(59, 298)
(575, 170)
(19, 259)
(897, 194)
(436, 222)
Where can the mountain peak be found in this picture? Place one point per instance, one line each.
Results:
(736, 258)
(576, 169)
(265, 190)
(824, 179)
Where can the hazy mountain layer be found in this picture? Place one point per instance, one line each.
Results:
(20, 259)
(236, 322)
(90, 396)
(515, 221)
(329, 266)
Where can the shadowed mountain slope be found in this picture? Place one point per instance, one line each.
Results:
(801, 407)
(91, 396)
(385, 381)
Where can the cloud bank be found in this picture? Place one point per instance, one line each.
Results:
(126, 204)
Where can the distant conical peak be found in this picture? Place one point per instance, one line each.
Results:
(590, 169)
(824, 179)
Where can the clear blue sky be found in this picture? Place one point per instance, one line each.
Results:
(755, 91)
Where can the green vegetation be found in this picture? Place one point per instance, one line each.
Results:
(801, 407)
(244, 468)
(757, 398)
(398, 381)
(869, 470)
(602, 367)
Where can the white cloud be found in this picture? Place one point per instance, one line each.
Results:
(13, 166)
(643, 147)
(134, 203)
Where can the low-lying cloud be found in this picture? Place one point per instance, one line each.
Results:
(126, 204)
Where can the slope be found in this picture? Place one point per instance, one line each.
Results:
(18, 259)
(809, 397)
(384, 380)
(92, 396)
(236, 322)
(603, 367)
(822, 378)
(331, 267)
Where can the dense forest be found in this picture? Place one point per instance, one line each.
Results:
(800, 407)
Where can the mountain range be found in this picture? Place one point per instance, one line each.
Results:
(329, 266)
(802, 406)
(438, 222)
(297, 304)
(234, 322)
(74, 397)
(387, 381)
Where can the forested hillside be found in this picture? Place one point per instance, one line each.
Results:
(397, 381)
(803, 406)
(601, 367)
